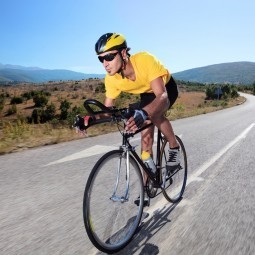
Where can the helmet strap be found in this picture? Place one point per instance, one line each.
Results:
(123, 66)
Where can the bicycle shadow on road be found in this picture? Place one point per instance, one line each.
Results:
(146, 230)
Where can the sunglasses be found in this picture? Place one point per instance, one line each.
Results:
(108, 57)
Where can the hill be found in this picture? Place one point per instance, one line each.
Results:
(12, 74)
(236, 73)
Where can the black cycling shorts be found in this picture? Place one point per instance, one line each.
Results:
(172, 91)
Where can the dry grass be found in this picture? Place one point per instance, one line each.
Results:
(16, 134)
(193, 103)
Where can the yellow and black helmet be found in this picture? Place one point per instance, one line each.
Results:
(110, 41)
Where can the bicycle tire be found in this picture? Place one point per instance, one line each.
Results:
(111, 225)
(176, 180)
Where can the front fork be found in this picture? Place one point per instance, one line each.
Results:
(124, 198)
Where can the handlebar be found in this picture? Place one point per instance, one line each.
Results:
(115, 114)
(103, 108)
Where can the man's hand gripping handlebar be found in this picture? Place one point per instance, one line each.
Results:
(82, 123)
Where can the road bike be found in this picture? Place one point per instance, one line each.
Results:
(111, 216)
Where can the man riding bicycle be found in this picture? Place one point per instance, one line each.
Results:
(142, 74)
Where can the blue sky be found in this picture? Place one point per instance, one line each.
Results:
(61, 34)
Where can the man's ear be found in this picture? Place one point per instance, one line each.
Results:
(124, 54)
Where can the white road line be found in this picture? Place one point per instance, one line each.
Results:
(195, 177)
(210, 162)
(94, 150)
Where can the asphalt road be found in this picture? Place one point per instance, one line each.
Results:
(41, 193)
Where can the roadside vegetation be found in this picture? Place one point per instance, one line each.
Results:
(40, 114)
(247, 88)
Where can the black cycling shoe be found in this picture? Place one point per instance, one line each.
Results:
(146, 201)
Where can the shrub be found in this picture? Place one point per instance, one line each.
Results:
(50, 111)
(224, 103)
(27, 95)
(40, 100)
(210, 92)
(38, 116)
(226, 89)
(2, 101)
(17, 100)
(234, 93)
(54, 122)
(100, 88)
(216, 103)
(64, 107)
(75, 111)
(11, 110)
(78, 110)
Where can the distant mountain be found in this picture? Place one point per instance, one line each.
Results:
(19, 67)
(236, 73)
(11, 73)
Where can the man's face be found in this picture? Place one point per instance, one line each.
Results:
(111, 61)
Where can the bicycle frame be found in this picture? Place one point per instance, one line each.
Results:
(127, 147)
(155, 178)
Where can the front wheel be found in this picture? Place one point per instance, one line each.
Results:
(110, 215)
(174, 180)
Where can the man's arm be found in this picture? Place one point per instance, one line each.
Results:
(109, 102)
(161, 103)
(156, 108)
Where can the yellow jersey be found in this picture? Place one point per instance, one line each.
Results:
(147, 68)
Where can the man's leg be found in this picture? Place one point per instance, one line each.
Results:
(166, 128)
(147, 138)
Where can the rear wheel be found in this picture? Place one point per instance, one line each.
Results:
(175, 179)
(110, 215)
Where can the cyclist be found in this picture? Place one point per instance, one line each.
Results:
(143, 74)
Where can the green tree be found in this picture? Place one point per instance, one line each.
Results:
(226, 89)
(50, 111)
(64, 107)
(234, 93)
(38, 116)
(2, 101)
(27, 95)
(40, 100)
(75, 111)
(210, 92)
(17, 100)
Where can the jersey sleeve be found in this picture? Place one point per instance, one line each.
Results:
(155, 68)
